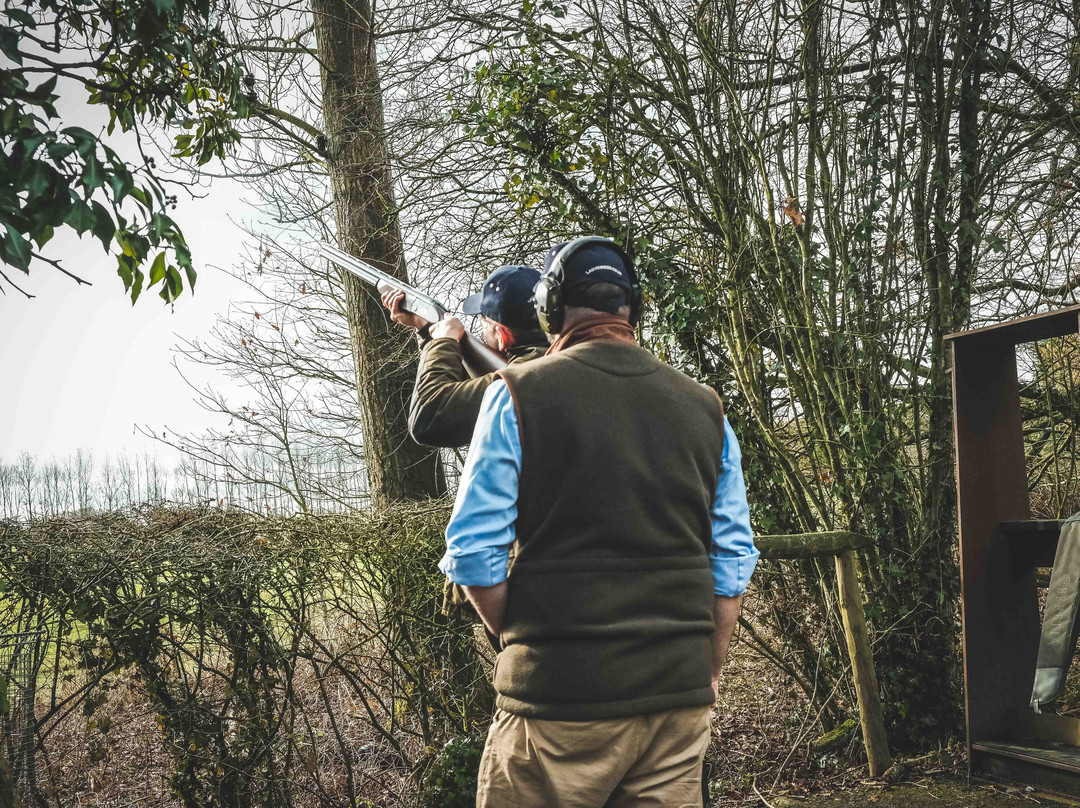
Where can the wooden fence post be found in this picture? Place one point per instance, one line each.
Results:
(862, 663)
(842, 545)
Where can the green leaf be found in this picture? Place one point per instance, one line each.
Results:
(151, 24)
(136, 285)
(191, 277)
(183, 254)
(80, 217)
(9, 44)
(53, 209)
(121, 182)
(125, 265)
(85, 141)
(21, 17)
(44, 235)
(59, 149)
(137, 246)
(44, 91)
(9, 118)
(39, 178)
(159, 226)
(93, 175)
(172, 287)
(30, 142)
(15, 249)
(157, 271)
(104, 228)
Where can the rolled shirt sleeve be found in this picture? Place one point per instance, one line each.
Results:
(481, 527)
(733, 556)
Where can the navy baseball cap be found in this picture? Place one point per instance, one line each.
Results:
(506, 297)
(595, 262)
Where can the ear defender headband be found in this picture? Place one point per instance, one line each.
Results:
(548, 295)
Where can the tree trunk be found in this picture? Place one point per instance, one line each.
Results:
(367, 226)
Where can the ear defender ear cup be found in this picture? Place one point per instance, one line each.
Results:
(635, 294)
(549, 306)
(548, 298)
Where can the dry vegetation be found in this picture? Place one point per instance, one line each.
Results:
(189, 657)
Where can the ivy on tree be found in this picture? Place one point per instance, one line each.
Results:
(160, 61)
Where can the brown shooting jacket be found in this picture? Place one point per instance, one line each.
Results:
(445, 401)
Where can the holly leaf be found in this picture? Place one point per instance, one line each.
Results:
(85, 141)
(124, 268)
(136, 284)
(59, 149)
(80, 217)
(121, 182)
(172, 287)
(93, 175)
(21, 17)
(9, 44)
(44, 235)
(38, 179)
(104, 228)
(15, 249)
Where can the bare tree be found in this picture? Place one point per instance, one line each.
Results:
(9, 500)
(84, 475)
(26, 476)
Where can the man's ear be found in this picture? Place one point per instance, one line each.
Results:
(505, 337)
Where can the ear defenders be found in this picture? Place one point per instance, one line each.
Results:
(548, 294)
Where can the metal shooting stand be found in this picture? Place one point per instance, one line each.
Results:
(1000, 549)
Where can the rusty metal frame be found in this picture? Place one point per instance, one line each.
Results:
(1000, 548)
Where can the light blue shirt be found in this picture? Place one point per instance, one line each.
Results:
(481, 527)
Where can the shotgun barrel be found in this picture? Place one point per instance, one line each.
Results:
(479, 358)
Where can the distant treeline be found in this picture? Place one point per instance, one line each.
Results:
(34, 488)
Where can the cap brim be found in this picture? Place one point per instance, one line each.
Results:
(471, 304)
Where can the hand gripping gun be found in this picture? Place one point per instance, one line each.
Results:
(479, 358)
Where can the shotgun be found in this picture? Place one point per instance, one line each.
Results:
(479, 358)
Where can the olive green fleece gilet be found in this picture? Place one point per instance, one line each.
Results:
(610, 600)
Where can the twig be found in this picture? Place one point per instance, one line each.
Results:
(56, 264)
(15, 286)
(761, 797)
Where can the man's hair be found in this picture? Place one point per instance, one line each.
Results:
(522, 336)
(529, 336)
(598, 297)
(584, 302)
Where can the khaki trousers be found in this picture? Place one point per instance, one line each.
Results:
(647, 760)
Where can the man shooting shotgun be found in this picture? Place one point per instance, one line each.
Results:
(445, 401)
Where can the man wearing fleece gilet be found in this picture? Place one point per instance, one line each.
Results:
(619, 480)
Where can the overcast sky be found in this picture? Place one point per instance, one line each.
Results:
(80, 366)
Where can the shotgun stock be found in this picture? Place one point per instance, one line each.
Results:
(479, 358)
